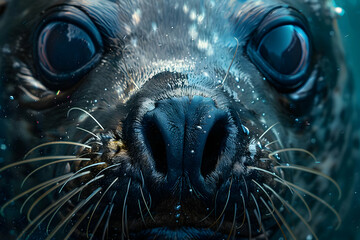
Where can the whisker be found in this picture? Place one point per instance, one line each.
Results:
(232, 61)
(99, 222)
(272, 214)
(40, 189)
(62, 204)
(249, 223)
(71, 214)
(244, 206)
(126, 223)
(78, 223)
(226, 204)
(56, 143)
(258, 184)
(107, 221)
(319, 199)
(293, 210)
(51, 163)
(45, 211)
(44, 195)
(47, 183)
(257, 206)
(141, 214)
(271, 173)
(97, 204)
(32, 160)
(89, 132)
(271, 155)
(129, 75)
(220, 224)
(80, 170)
(267, 130)
(123, 211)
(271, 143)
(207, 216)
(146, 206)
(289, 187)
(107, 168)
(258, 218)
(86, 112)
(313, 171)
(233, 224)
(246, 186)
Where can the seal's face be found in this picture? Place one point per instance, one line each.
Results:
(173, 119)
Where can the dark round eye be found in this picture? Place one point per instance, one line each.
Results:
(286, 49)
(64, 48)
(67, 47)
(283, 55)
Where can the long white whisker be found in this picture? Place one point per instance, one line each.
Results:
(271, 155)
(71, 214)
(61, 205)
(97, 204)
(99, 222)
(87, 131)
(45, 194)
(47, 183)
(38, 159)
(232, 61)
(78, 223)
(56, 143)
(293, 210)
(309, 170)
(80, 170)
(123, 211)
(267, 130)
(86, 112)
(51, 163)
(319, 199)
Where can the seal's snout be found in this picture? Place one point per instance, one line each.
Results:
(186, 136)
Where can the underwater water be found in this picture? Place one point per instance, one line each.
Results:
(349, 24)
(350, 29)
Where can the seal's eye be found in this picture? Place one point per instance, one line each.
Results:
(285, 49)
(68, 45)
(283, 54)
(64, 48)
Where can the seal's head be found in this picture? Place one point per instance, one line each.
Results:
(175, 119)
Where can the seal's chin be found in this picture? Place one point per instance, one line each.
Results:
(183, 233)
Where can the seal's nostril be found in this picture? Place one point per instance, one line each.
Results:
(215, 145)
(156, 145)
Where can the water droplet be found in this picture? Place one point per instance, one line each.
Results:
(11, 97)
(245, 130)
(339, 11)
(192, 151)
(309, 237)
(177, 215)
(199, 127)
(178, 207)
(190, 190)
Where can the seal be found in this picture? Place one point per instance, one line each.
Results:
(175, 120)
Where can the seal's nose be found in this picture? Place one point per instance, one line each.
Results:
(185, 137)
